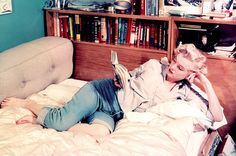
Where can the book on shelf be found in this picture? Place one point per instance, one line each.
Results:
(147, 35)
(121, 72)
(71, 31)
(116, 30)
(97, 25)
(224, 51)
(108, 27)
(132, 33)
(196, 26)
(226, 48)
(103, 30)
(64, 26)
(152, 36)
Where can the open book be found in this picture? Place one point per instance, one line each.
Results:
(121, 72)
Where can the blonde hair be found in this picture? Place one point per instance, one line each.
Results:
(190, 52)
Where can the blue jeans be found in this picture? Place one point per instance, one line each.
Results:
(89, 104)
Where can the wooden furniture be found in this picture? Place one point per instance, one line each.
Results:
(92, 60)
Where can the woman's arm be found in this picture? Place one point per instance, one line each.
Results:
(213, 101)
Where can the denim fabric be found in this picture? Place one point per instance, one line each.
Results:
(96, 101)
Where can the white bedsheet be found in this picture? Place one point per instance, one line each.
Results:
(140, 134)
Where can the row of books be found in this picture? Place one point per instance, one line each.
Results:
(67, 26)
(111, 30)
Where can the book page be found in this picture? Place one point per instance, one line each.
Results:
(121, 72)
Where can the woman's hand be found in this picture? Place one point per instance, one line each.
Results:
(201, 79)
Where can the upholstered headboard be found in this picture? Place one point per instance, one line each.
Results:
(32, 66)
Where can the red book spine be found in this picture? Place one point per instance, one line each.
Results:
(116, 30)
(129, 31)
(143, 7)
(139, 33)
(133, 32)
(60, 27)
(65, 27)
(160, 35)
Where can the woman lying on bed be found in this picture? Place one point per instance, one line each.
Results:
(101, 104)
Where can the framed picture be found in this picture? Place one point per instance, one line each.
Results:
(5, 7)
(191, 7)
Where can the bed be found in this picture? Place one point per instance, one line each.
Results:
(41, 70)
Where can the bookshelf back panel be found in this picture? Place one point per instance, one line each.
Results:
(223, 77)
(92, 61)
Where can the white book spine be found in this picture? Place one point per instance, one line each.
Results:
(103, 30)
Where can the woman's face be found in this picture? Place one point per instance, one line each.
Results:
(179, 69)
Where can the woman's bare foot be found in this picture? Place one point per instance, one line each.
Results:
(15, 102)
(27, 119)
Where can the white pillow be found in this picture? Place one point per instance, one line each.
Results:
(180, 109)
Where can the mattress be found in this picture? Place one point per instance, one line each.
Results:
(148, 133)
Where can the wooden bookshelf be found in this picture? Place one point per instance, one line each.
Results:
(50, 15)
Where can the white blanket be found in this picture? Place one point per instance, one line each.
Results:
(149, 134)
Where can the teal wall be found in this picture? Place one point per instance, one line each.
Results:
(25, 23)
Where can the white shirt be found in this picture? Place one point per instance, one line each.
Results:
(147, 89)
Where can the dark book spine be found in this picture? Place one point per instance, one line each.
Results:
(119, 30)
(125, 31)
(152, 35)
(92, 29)
(96, 40)
(108, 26)
(165, 36)
(83, 28)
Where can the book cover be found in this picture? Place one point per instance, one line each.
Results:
(121, 72)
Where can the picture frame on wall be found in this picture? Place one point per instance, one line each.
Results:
(183, 7)
(5, 7)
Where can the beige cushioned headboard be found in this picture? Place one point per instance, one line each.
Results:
(32, 66)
